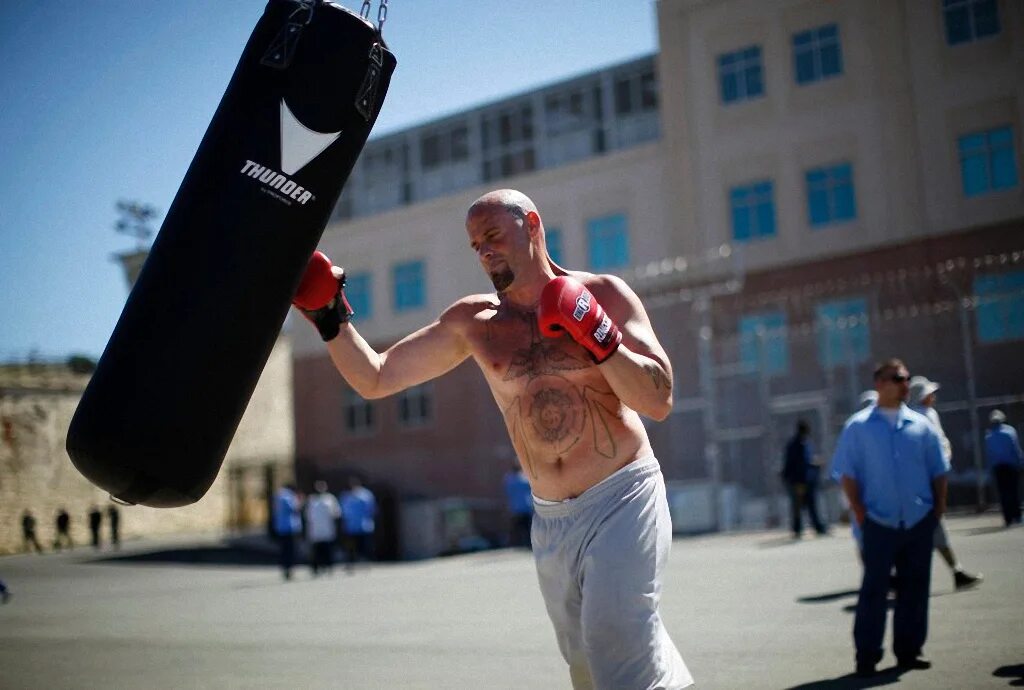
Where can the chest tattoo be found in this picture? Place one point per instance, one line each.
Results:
(551, 414)
(540, 356)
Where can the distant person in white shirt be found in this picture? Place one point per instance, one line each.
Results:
(322, 515)
(922, 399)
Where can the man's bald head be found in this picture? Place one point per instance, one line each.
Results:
(513, 201)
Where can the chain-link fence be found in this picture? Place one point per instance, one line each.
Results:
(750, 363)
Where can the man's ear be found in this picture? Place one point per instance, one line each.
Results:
(532, 223)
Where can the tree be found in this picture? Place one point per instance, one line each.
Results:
(81, 364)
(135, 219)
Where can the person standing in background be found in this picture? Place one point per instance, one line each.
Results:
(520, 506)
(800, 473)
(63, 527)
(890, 463)
(922, 399)
(358, 510)
(95, 522)
(1004, 457)
(287, 525)
(322, 515)
(28, 532)
(114, 519)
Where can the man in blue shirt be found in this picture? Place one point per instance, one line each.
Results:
(520, 505)
(1002, 450)
(287, 525)
(358, 510)
(890, 462)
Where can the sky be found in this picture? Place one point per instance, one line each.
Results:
(108, 99)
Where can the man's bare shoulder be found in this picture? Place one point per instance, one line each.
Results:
(468, 309)
(605, 286)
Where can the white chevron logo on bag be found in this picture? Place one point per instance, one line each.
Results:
(299, 143)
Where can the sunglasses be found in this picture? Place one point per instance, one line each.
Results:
(899, 378)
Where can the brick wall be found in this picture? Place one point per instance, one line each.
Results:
(36, 473)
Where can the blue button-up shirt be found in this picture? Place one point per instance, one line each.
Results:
(893, 466)
(518, 493)
(286, 512)
(358, 508)
(1002, 446)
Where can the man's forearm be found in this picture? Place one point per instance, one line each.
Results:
(852, 491)
(940, 486)
(357, 362)
(640, 382)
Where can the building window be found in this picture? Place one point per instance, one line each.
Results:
(553, 237)
(358, 293)
(415, 406)
(740, 74)
(359, 413)
(830, 197)
(444, 147)
(988, 162)
(764, 343)
(1000, 310)
(382, 174)
(608, 242)
(507, 138)
(843, 337)
(409, 286)
(636, 93)
(817, 54)
(753, 210)
(970, 20)
(572, 120)
(571, 111)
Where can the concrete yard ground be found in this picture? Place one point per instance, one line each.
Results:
(752, 610)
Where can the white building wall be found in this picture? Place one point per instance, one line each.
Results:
(894, 113)
(959, 89)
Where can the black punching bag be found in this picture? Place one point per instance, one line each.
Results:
(156, 419)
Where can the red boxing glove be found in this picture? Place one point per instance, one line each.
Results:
(321, 297)
(566, 306)
(318, 285)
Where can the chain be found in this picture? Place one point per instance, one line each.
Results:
(304, 6)
(382, 13)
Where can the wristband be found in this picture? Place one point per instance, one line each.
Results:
(328, 319)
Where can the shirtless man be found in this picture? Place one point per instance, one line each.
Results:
(572, 362)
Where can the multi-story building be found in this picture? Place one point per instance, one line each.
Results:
(797, 189)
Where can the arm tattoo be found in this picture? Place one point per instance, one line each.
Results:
(658, 376)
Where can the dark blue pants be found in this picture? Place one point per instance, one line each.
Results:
(1008, 481)
(804, 496)
(287, 553)
(910, 551)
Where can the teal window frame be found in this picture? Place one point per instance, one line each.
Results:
(409, 281)
(844, 335)
(608, 242)
(764, 339)
(999, 313)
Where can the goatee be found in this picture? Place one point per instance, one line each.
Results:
(502, 279)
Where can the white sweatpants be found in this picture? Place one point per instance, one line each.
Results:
(599, 560)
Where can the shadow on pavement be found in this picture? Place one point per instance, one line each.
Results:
(203, 555)
(827, 597)
(778, 541)
(886, 676)
(977, 531)
(1015, 672)
(214, 555)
